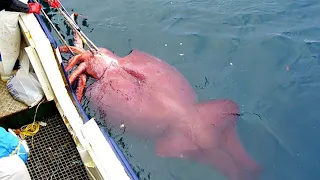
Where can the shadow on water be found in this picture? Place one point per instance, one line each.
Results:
(262, 54)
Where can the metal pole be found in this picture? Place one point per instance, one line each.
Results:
(72, 25)
(56, 30)
(76, 28)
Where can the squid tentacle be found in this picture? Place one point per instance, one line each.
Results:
(77, 50)
(73, 61)
(81, 85)
(77, 72)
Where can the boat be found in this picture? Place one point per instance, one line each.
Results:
(68, 144)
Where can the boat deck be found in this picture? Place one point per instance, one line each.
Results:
(54, 155)
(8, 105)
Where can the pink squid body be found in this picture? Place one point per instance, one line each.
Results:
(154, 100)
(143, 92)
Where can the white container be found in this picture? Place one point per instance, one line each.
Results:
(10, 39)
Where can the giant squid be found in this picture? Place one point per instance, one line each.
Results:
(154, 100)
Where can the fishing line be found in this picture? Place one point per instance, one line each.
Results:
(56, 30)
(76, 28)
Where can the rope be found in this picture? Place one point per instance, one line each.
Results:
(31, 129)
(17, 149)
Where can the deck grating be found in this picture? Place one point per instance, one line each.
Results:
(55, 155)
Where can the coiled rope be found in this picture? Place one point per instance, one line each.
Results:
(31, 129)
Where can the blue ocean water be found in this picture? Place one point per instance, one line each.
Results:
(263, 54)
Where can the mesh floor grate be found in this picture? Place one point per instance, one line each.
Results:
(55, 155)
